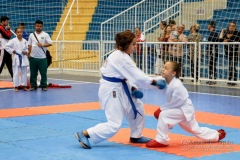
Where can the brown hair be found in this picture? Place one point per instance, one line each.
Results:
(196, 27)
(176, 67)
(124, 39)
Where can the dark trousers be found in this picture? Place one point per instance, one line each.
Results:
(7, 59)
(192, 68)
(232, 66)
(38, 64)
(212, 65)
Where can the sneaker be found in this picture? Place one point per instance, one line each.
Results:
(83, 140)
(222, 134)
(211, 83)
(155, 144)
(33, 89)
(231, 84)
(139, 140)
(44, 89)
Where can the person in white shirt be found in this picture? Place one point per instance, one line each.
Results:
(37, 53)
(178, 110)
(18, 46)
(114, 94)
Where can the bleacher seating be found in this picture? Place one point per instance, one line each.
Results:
(104, 11)
(29, 11)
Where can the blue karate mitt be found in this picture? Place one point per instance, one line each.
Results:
(160, 83)
(137, 94)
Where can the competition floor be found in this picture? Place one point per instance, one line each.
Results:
(41, 125)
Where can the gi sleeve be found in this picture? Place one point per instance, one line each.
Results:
(9, 46)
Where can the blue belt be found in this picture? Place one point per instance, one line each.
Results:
(20, 58)
(110, 79)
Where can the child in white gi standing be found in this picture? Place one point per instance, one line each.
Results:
(18, 46)
(179, 110)
(114, 95)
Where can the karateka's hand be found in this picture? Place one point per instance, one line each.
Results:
(24, 52)
(160, 83)
(136, 93)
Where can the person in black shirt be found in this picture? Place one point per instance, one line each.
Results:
(231, 34)
(5, 35)
(212, 52)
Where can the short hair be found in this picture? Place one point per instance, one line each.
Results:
(21, 24)
(212, 24)
(39, 22)
(233, 22)
(124, 39)
(4, 18)
(182, 25)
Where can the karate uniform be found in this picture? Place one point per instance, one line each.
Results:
(19, 47)
(179, 110)
(114, 100)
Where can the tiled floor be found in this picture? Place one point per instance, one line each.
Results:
(41, 125)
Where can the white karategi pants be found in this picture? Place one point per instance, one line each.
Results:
(114, 101)
(170, 117)
(20, 73)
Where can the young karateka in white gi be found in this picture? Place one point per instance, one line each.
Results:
(18, 46)
(179, 110)
(113, 98)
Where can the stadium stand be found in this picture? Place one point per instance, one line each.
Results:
(28, 12)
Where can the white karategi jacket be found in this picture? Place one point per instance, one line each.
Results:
(177, 97)
(120, 65)
(19, 47)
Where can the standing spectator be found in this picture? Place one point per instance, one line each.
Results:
(212, 52)
(138, 55)
(162, 27)
(37, 54)
(18, 46)
(164, 54)
(176, 50)
(231, 34)
(195, 36)
(173, 25)
(159, 61)
(5, 35)
(25, 34)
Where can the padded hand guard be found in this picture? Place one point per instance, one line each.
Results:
(161, 84)
(137, 94)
